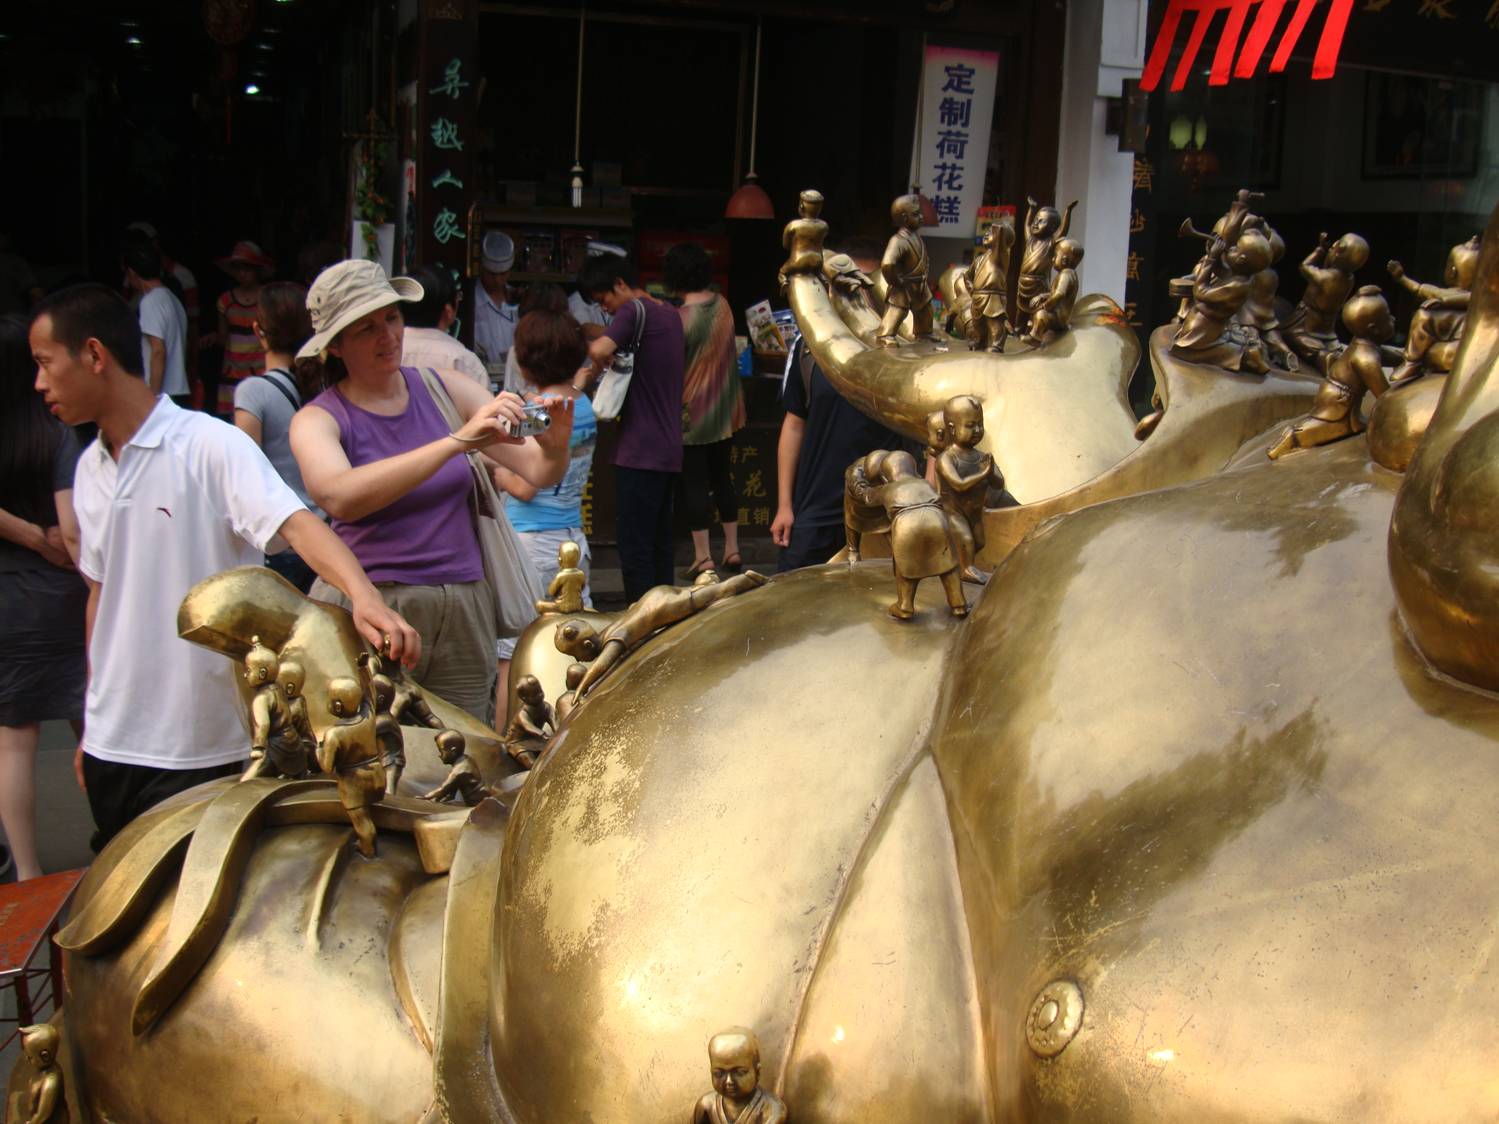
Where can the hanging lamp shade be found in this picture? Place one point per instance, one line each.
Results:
(749, 201)
(928, 211)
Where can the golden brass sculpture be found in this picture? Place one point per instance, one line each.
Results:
(566, 701)
(921, 536)
(350, 752)
(905, 267)
(803, 236)
(658, 608)
(1209, 333)
(565, 592)
(737, 1097)
(1437, 326)
(1052, 312)
(966, 475)
(37, 1103)
(1311, 330)
(1355, 372)
(1263, 893)
(1044, 227)
(988, 283)
(531, 724)
(464, 780)
(279, 741)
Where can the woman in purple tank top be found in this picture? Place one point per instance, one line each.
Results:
(377, 455)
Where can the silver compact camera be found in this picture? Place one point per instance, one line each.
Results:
(534, 422)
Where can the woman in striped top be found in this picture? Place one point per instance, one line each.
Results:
(238, 308)
(712, 407)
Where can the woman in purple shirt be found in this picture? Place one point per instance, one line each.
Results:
(378, 457)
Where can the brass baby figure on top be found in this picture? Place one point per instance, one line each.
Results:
(281, 736)
(920, 532)
(1437, 326)
(464, 779)
(1053, 310)
(532, 722)
(36, 1103)
(965, 474)
(905, 266)
(737, 1097)
(803, 237)
(565, 593)
(1312, 330)
(1043, 227)
(350, 752)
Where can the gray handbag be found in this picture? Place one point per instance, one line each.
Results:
(507, 567)
(609, 399)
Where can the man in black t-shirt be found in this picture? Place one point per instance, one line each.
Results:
(821, 436)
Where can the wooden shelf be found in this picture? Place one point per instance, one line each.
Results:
(490, 214)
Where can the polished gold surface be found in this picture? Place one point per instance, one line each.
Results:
(1356, 371)
(1436, 327)
(737, 1097)
(1180, 825)
(1444, 539)
(1399, 418)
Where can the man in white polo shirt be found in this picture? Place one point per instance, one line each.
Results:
(166, 497)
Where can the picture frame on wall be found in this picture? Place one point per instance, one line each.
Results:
(1417, 127)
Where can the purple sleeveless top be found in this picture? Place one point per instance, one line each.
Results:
(427, 536)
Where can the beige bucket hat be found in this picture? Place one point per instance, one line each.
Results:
(343, 293)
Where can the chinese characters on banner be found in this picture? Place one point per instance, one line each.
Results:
(446, 133)
(957, 99)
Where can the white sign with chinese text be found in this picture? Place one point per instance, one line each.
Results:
(957, 108)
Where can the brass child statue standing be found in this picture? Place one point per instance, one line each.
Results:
(966, 474)
(1043, 226)
(350, 752)
(920, 534)
(905, 267)
(989, 286)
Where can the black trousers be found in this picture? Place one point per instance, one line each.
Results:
(705, 467)
(118, 793)
(811, 546)
(642, 527)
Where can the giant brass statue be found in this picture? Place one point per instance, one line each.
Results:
(1189, 820)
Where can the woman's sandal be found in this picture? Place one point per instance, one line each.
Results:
(733, 564)
(697, 569)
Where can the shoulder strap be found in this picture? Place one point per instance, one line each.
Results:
(441, 399)
(287, 392)
(639, 324)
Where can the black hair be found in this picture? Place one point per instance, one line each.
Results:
(438, 291)
(688, 269)
(140, 254)
(549, 347)
(543, 297)
(600, 272)
(90, 311)
(29, 434)
(281, 311)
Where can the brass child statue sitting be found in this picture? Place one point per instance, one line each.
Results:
(350, 752)
(737, 1096)
(464, 780)
(1043, 227)
(1312, 330)
(1054, 309)
(565, 593)
(1437, 326)
(531, 724)
(803, 237)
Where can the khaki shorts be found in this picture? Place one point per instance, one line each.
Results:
(456, 624)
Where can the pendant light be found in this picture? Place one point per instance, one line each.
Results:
(577, 169)
(750, 201)
(928, 211)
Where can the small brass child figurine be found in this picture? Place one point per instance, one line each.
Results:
(1355, 372)
(281, 737)
(388, 731)
(861, 517)
(36, 1103)
(1043, 226)
(1054, 310)
(464, 779)
(989, 284)
(350, 753)
(920, 535)
(803, 238)
(565, 593)
(1437, 326)
(737, 1097)
(905, 266)
(1312, 330)
(567, 702)
(531, 724)
(965, 475)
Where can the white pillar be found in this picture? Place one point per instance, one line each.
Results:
(1105, 44)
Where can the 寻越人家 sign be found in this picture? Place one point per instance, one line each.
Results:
(957, 108)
